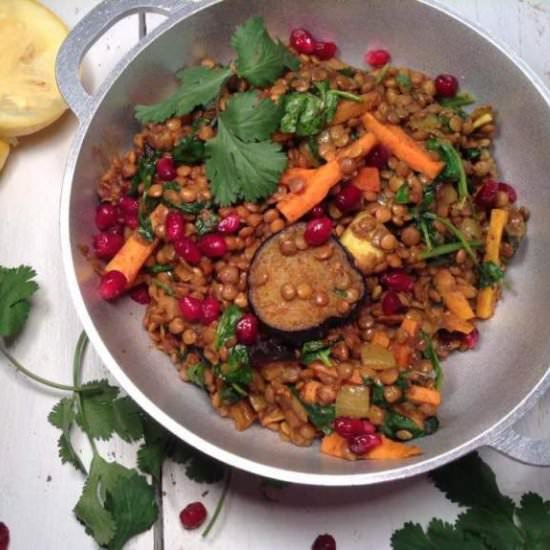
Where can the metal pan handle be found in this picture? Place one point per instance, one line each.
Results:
(85, 34)
(535, 452)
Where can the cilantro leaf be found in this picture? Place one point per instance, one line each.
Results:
(195, 373)
(227, 324)
(430, 354)
(62, 416)
(190, 150)
(402, 194)
(97, 408)
(404, 81)
(131, 502)
(240, 169)
(237, 370)
(127, 421)
(206, 222)
(199, 86)
(459, 100)
(260, 59)
(393, 422)
(489, 274)
(534, 516)
(321, 416)
(16, 287)
(316, 350)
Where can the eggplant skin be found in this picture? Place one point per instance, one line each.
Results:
(269, 349)
(297, 321)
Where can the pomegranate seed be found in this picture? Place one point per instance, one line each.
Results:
(140, 294)
(193, 515)
(107, 244)
(174, 226)
(4, 536)
(350, 427)
(211, 310)
(398, 280)
(302, 41)
(213, 245)
(191, 308)
(188, 249)
(128, 205)
(317, 212)
(324, 542)
(377, 58)
(363, 443)
(112, 285)
(318, 231)
(247, 329)
(230, 224)
(391, 304)
(131, 221)
(324, 50)
(348, 198)
(446, 85)
(116, 229)
(487, 194)
(165, 168)
(512, 195)
(106, 216)
(378, 157)
(471, 339)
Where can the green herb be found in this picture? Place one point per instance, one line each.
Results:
(492, 520)
(423, 217)
(237, 370)
(431, 425)
(159, 268)
(347, 71)
(472, 154)
(394, 422)
(190, 208)
(190, 150)
(171, 186)
(145, 228)
(402, 194)
(227, 324)
(316, 350)
(382, 73)
(199, 86)
(459, 100)
(145, 171)
(378, 398)
(454, 168)
(444, 122)
(243, 163)
(229, 394)
(490, 274)
(459, 235)
(340, 293)
(260, 59)
(430, 354)
(321, 416)
(195, 373)
(404, 81)
(167, 290)
(313, 146)
(221, 501)
(206, 222)
(447, 248)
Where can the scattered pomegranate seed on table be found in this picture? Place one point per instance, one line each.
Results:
(324, 542)
(140, 294)
(193, 515)
(446, 85)
(165, 168)
(112, 285)
(377, 58)
(247, 329)
(318, 231)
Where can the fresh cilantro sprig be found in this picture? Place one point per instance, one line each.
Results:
(492, 520)
(316, 350)
(430, 354)
(490, 274)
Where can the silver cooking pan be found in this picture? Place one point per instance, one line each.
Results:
(486, 391)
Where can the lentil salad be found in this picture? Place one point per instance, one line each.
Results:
(384, 164)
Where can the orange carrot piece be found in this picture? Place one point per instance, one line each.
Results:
(458, 304)
(309, 391)
(420, 394)
(486, 301)
(393, 450)
(497, 222)
(368, 179)
(335, 445)
(410, 326)
(403, 146)
(318, 181)
(348, 108)
(135, 251)
(381, 338)
(402, 354)
(452, 323)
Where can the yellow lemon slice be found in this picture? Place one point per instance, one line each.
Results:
(30, 36)
(4, 152)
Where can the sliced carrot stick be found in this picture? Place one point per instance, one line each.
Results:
(335, 445)
(486, 301)
(318, 181)
(403, 146)
(368, 179)
(135, 251)
(420, 394)
(393, 450)
(402, 354)
(452, 323)
(410, 326)
(380, 338)
(458, 304)
(353, 109)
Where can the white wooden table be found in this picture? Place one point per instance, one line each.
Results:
(37, 493)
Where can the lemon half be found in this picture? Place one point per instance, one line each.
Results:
(30, 36)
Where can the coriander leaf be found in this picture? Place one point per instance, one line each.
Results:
(321, 416)
(404, 81)
(203, 469)
(16, 288)
(237, 370)
(131, 502)
(304, 114)
(459, 100)
(206, 222)
(145, 171)
(159, 268)
(199, 86)
(97, 408)
(393, 422)
(472, 153)
(490, 274)
(127, 419)
(195, 373)
(227, 324)
(402, 194)
(430, 354)
(534, 516)
(454, 167)
(470, 482)
(190, 150)
(251, 118)
(63, 416)
(240, 170)
(191, 208)
(260, 59)
(316, 350)
(411, 537)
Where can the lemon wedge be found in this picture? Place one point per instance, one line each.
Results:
(4, 152)
(30, 36)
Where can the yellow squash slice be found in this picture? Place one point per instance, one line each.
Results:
(30, 36)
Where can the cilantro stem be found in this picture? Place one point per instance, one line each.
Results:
(347, 95)
(447, 248)
(19, 367)
(219, 506)
(459, 235)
